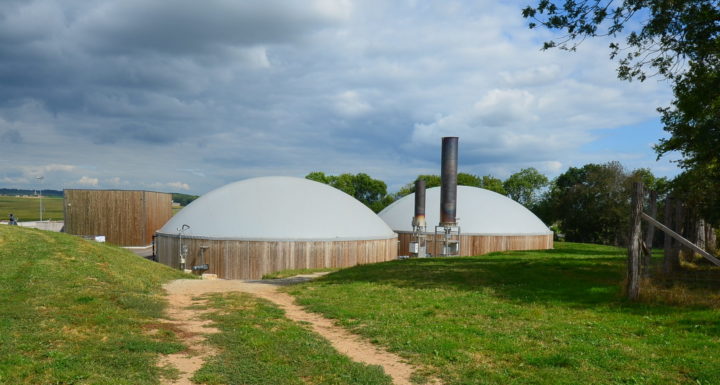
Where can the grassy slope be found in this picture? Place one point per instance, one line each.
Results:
(260, 346)
(28, 209)
(544, 317)
(75, 312)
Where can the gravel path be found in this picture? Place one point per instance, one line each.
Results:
(181, 292)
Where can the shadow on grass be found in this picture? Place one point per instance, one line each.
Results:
(579, 281)
(536, 276)
(568, 277)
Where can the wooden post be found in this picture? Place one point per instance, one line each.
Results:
(710, 238)
(668, 247)
(650, 235)
(700, 233)
(633, 276)
(679, 228)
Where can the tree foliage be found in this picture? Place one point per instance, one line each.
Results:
(183, 199)
(693, 122)
(464, 179)
(491, 183)
(592, 203)
(524, 185)
(678, 40)
(371, 192)
(659, 35)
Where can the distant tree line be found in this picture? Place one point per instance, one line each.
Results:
(183, 199)
(45, 193)
(584, 204)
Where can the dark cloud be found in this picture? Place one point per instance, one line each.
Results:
(183, 27)
(11, 136)
(254, 87)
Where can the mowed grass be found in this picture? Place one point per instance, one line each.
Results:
(260, 346)
(76, 312)
(28, 209)
(293, 272)
(538, 317)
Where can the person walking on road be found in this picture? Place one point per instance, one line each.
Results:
(13, 220)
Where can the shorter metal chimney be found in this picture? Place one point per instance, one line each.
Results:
(418, 245)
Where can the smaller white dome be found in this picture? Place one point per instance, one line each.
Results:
(479, 212)
(278, 209)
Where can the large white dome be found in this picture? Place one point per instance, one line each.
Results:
(479, 211)
(279, 209)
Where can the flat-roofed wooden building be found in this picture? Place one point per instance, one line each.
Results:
(124, 217)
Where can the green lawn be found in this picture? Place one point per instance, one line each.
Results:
(541, 317)
(260, 346)
(77, 312)
(28, 209)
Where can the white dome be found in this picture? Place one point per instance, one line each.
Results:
(279, 209)
(479, 211)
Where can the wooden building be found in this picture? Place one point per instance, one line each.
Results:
(124, 217)
(245, 259)
(488, 222)
(477, 244)
(247, 229)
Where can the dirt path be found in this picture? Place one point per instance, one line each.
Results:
(181, 292)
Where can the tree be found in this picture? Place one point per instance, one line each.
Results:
(694, 125)
(464, 179)
(663, 35)
(371, 192)
(591, 203)
(678, 40)
(491, 183)
(524, 185)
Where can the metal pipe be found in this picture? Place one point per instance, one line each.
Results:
(419, 219)
(448, 177)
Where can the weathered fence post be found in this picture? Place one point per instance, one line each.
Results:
(650, 235)
(678, 248)
(634, 247)
(668, 246)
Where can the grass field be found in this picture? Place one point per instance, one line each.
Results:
(28, 209)
(260, 346)
(76, 312)
(542, 317)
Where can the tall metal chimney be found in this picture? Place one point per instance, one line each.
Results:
(419, 219)
(448, 186)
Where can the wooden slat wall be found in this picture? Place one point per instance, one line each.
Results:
(482, 244)
(158, 210)
(233, 259)
(124, 217)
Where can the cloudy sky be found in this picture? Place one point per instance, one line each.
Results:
(186, 96)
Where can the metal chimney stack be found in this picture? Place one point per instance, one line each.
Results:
(419, 219)
(448, 184)
(450, 231)
(418, 245)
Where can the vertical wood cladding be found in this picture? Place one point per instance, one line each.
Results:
(482, 244)
(239, 259)
(124, 217)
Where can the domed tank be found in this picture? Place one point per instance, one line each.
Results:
(488, 222)
(262, 225)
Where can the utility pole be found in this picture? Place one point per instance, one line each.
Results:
(40, 179)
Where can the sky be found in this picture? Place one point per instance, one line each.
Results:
(187, 96)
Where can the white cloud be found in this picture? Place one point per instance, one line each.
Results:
(88, 181)
(179, 185)
(133, 92)
(349, 103)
